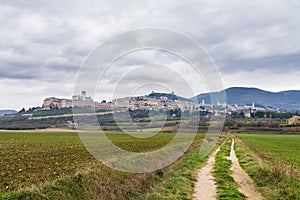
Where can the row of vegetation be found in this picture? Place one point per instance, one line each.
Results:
(259, 124)
(261, 114)
(39, 112)
(25, 123)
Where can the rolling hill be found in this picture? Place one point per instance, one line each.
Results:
(286, 100)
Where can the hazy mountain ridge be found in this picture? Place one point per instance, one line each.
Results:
(4, 112)
(285, 100)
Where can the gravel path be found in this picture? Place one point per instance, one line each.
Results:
(205, 187)
(244, 182)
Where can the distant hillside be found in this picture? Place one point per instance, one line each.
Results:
(4, 112)
(170, 96)
(286, 100)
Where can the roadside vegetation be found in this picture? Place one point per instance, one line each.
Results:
(226, 187)
(273, 162)
(175, 183)
(178, 183)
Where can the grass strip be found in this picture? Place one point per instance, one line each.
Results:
(226, 187)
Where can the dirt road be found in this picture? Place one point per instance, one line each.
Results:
(205, 187)
(244, 182)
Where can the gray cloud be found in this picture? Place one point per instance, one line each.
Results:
(45, 42)
(277, 64)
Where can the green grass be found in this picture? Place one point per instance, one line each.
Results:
(272, 161)
(226, 187)
(69, 188)
(55, 165)
(276, 147)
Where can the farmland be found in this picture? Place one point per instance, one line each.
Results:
(47, 161)
(273, 162)
(34, 157)
(276, 148)
(54, 164)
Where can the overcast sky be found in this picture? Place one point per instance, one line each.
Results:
(43, 43)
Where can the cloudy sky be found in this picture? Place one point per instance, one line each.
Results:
(44, 43)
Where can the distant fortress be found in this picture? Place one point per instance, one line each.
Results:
(81, 101)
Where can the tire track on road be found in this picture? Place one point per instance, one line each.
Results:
(243, 180)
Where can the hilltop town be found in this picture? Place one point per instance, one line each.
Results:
(155, 102)
(59, 112)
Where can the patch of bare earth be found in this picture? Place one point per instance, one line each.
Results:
(205, 187)
(244, 182)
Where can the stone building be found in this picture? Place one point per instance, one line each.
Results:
(53, 102)
(77, 101)
(83, 101)
(295, 120)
